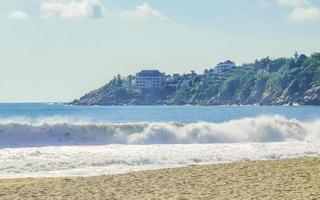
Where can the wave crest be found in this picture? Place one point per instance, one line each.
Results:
(63, 132)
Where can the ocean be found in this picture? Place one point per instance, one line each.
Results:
(53, 140)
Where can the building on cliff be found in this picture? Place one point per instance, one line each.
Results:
(149, 80)
(225, 66)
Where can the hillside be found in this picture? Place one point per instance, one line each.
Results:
(282, 81)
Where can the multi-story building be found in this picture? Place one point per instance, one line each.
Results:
(150, 80)
(225, 66)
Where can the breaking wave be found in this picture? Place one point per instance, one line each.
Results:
(23, 133)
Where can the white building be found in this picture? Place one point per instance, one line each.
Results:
(225, 66)
(150, 80)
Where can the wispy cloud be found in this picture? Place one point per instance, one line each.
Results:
(143, 12)
(310, 13)
(73, 9)
(82, 9)
(18, 14)
(302, 10)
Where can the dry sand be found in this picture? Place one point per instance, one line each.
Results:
(284, 179)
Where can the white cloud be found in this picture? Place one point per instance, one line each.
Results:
(73, 9)
(303, 10)
(17, 14)
(300, 14)
(143, 12)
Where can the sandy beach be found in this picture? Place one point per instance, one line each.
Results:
(283, 179)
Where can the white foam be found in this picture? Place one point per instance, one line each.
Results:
(56, 132)
(113, 159)
(51, 147)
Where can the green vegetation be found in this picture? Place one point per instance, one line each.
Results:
(264, 82)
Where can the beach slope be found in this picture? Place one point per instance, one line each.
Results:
(281, 179)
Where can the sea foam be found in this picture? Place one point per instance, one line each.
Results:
(113, 159)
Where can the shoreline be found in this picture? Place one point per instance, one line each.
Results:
(285, 179)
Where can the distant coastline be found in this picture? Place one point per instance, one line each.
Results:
(283, 81)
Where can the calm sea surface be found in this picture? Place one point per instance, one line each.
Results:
(184, 114)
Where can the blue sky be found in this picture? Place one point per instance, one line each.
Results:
(57, 50)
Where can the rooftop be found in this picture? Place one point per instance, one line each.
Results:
(150, 73)
(227, 62)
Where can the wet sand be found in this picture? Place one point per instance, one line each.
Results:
(284, 179)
